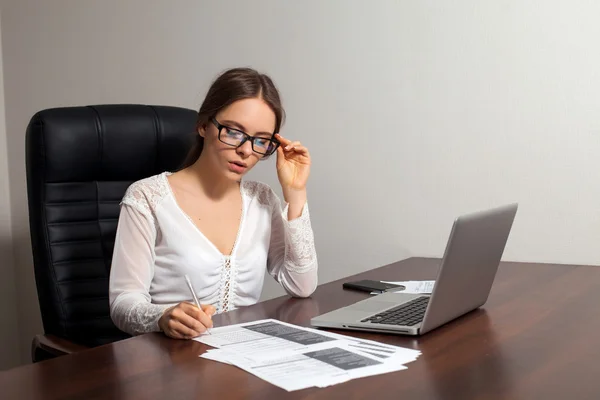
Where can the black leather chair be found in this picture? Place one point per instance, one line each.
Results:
(80, 161)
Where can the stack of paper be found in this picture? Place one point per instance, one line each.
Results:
(412, 287)
(293, 357)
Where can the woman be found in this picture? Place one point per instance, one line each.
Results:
(204, 221)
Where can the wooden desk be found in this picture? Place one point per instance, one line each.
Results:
(538, 336)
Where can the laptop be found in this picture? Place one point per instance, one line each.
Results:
(463, 283)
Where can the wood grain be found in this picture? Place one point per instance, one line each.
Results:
(536, 337)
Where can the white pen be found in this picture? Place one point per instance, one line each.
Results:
(189, 283)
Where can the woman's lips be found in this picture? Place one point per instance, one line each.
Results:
(238, 168)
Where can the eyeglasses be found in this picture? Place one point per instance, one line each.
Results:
(233, 137)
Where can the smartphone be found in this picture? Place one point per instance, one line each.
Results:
(371, 286)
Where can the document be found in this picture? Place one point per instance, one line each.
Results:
(414, 286)
(293, 357)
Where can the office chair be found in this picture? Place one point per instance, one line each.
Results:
(80, 161)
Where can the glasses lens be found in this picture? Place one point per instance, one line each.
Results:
(231, 136)
(264, 146)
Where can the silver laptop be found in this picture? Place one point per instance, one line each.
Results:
(464, 281)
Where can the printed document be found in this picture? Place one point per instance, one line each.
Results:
(293, 357)
(413, 286)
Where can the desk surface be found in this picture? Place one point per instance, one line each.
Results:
(536, 337)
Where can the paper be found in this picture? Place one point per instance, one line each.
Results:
(293, 357)
(412, 287)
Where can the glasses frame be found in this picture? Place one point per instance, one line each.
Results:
(246, 138)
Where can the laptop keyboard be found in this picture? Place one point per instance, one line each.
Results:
(407, 314)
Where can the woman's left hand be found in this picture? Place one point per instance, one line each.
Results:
(293, 164)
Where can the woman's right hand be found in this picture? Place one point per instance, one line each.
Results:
(186, 321)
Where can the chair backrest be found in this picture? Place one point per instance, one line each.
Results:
(80, 161)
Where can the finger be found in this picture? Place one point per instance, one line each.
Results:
(282, 140)
(195, 323)
(208, 309)
(198, 315)
(184, 316)
(183, 331)
(177, 330)
(172, 334)
(301, 149)
(280, 155)
(292, 145)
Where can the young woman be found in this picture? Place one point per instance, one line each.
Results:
(206, 222)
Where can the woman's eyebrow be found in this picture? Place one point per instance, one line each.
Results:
(237, 125)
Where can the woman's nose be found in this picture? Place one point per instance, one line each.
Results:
(245, 149)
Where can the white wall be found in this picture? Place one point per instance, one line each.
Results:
(9, 329)
(414, 112)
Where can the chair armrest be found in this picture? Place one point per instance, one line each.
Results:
(44, 347)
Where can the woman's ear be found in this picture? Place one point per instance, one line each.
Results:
(202, 130)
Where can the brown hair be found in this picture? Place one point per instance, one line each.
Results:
(233, 85)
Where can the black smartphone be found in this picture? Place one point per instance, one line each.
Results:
(371, 286)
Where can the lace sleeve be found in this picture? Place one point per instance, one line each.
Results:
(145, 195)
(131, 273)
(292, 258)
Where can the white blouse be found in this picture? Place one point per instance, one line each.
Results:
(157, 244)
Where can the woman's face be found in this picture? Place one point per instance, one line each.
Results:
(251, 116)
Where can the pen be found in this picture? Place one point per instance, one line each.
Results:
(189, 283)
